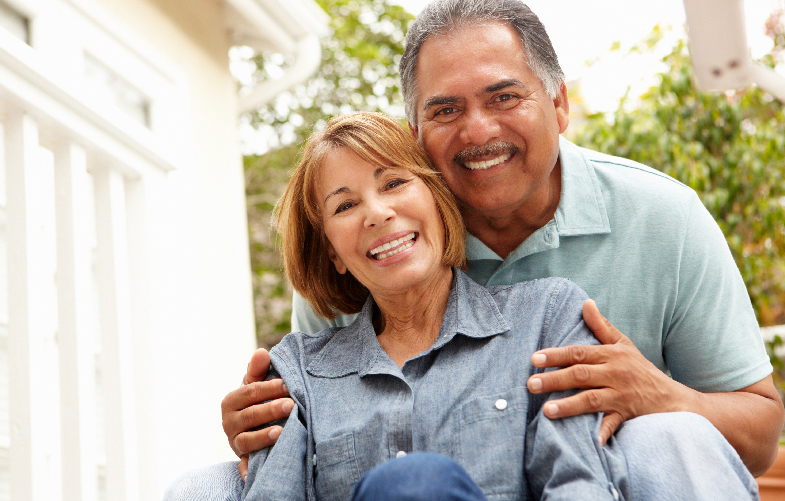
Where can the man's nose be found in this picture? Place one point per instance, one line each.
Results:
(478, 127)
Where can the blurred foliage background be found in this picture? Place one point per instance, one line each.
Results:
(729, 147)
(359, 71)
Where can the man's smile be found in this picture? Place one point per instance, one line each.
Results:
(486, 156)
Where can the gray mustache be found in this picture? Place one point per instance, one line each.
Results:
(488, 150)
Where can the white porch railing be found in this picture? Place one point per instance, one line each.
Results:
(74, 339)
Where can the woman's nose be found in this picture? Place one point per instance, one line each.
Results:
(378, 213)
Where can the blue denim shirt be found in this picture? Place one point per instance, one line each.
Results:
(464, 397)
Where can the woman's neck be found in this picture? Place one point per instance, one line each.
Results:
(409, 323)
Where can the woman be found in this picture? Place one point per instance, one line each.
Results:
(434, 362)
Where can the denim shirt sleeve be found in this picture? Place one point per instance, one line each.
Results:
(279, 473)
(563, 457)
(283, 472)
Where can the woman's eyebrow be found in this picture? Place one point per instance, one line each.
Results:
(342, 189)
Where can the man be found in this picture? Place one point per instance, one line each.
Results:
(486, 98)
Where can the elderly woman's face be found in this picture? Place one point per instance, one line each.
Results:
(382, 223)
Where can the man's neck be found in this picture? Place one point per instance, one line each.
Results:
(503, 232)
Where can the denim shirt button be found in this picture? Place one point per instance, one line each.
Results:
(501, 404)
(400, 454)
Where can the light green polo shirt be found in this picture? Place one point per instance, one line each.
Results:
(644, 247)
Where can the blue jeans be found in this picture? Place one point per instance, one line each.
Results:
(419, 476)
(669, 456)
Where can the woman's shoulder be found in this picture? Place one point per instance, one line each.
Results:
(536, 290)
(303, 345)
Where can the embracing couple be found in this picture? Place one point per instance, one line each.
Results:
(417, 380)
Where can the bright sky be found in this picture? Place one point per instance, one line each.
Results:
(582, 30)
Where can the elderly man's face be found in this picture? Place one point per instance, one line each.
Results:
(486, 120)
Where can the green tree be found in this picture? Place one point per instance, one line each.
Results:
(359, 71)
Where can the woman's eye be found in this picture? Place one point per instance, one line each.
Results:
(396, 183)
(344, 206)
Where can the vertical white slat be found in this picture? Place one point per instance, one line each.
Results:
(25, 310)
(75, 342)
(144, 347)
(116, 342)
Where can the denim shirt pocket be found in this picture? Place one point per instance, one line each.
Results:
(336, 467)
(491, 440)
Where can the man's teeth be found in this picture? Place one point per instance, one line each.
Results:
(379, 252)
(487, 163)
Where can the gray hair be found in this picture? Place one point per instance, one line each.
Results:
(441, 16)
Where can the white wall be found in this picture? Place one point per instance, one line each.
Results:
(203, 314)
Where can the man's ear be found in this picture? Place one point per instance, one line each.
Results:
(562, 106)
(339, 266)
(414, 131)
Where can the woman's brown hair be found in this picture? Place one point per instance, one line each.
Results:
(377, 139)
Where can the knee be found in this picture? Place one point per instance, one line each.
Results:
(418, 477)
(219, 481)
(675, 427)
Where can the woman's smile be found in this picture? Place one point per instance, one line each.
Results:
(379, 219)
(393, 247)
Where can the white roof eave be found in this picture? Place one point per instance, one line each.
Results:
(290, 27)
(719, 49)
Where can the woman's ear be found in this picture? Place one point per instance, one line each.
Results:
(339, 266)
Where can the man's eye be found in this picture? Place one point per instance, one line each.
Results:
(505, 101)
(447, 114)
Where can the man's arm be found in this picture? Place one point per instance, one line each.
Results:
(255, 403)
(621, 383)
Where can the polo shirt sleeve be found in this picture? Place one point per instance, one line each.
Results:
(304, 319)
(713, 343)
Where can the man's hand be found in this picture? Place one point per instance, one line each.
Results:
(618, 380)
(255, 403)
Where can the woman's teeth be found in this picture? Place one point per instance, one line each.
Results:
(485, 164)
(379, 252)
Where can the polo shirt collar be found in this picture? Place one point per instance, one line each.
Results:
(581, 209)
(471, 311)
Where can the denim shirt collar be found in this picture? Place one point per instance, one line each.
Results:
(471, 311)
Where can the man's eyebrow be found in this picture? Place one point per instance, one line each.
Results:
(437, 101)
(510, 82)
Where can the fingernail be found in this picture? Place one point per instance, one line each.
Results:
(551, 410)
(287, 406)
(275, 433)
(535, 384)
(538, 359)
(284, 388)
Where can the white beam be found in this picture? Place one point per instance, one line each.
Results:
(25, 308)
(116, 343)
(75, 342)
